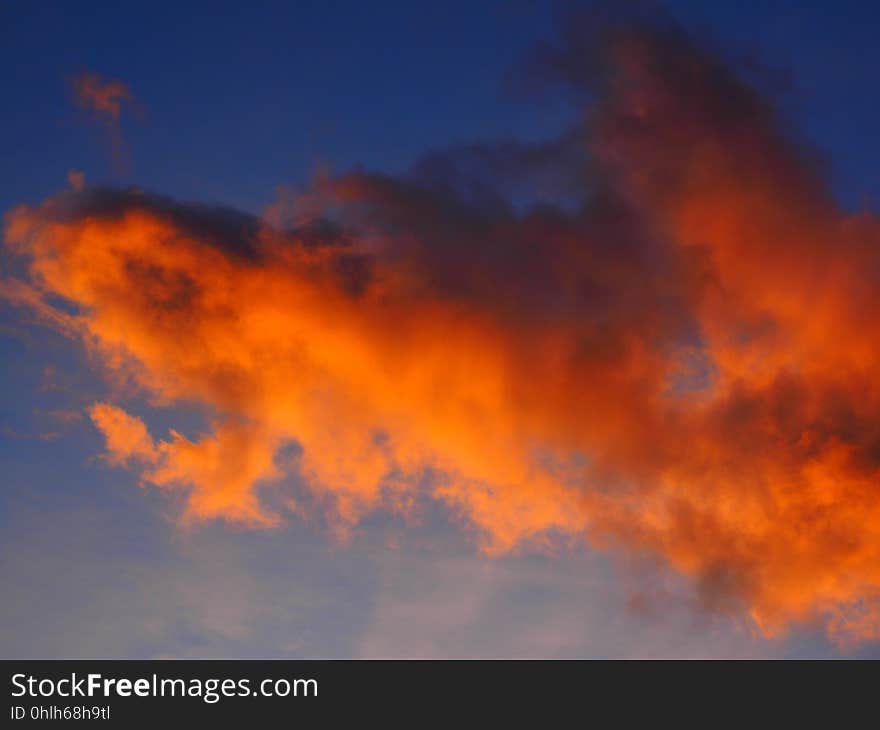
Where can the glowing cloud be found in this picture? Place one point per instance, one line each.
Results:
(104, 101)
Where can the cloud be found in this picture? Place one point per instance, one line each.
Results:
(126, 436)
(104, 98)
(77, 180)
(222, 467)
(655, 334)
(104, 101)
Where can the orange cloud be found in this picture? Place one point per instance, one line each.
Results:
(221, 468)
(105, 98)
(126, 436)
(682, 363)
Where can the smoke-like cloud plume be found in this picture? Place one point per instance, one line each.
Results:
(105, 101)
(104, 98)
(679, 356)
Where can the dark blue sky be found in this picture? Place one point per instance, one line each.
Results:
(238, 99)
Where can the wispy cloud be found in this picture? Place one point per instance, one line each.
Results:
(105, 98)
(105, 101)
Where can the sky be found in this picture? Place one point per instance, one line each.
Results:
(397, 330)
